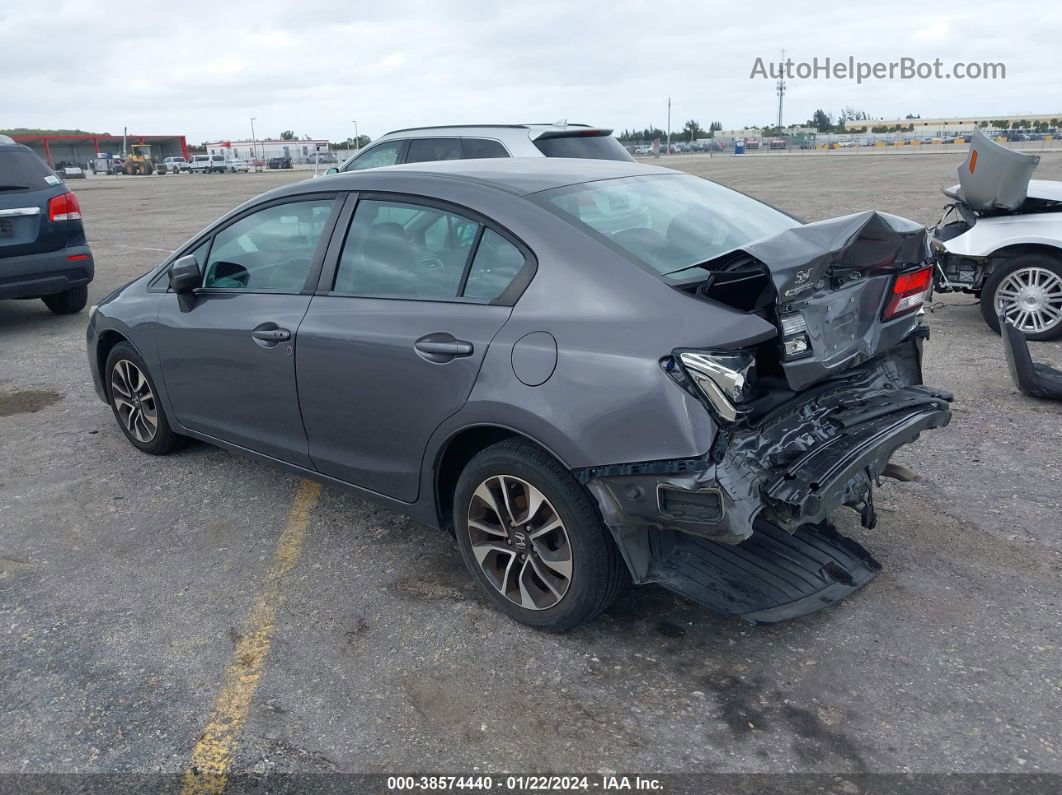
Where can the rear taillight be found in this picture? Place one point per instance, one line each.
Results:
(909, 292)
(64, 207)
(723, 378)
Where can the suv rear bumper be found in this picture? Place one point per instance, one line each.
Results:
(47, 273)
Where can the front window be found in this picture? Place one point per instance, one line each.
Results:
(668, 222)
(385, 154)
(270, 250)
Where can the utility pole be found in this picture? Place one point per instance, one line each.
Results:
(254, 146)
(357, 138)
(669, 125)
(781, 91)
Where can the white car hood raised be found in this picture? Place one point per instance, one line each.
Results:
(994, 177)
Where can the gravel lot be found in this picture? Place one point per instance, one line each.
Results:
(125, 580)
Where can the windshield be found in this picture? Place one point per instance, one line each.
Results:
(669, 222)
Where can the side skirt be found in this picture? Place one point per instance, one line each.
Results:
(416, 510)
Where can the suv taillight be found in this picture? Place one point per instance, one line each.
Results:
(64, 207)
(909, 292)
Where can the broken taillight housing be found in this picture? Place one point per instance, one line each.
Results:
(909, 291)
(795, 342)
(723, 379)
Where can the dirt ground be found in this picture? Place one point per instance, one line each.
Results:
(126, 580)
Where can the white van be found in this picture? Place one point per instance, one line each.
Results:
(206, 164)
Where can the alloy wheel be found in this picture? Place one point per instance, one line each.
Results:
(134, 402)
(1031, 299)
(520, 543)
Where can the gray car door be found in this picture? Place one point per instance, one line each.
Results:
(392, 344)
(228, 361)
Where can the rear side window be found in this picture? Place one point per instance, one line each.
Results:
(591, 147)
(403, 250)
(398, 250)
(477, 148)
(21, 169)
(494, 267)
(424, 149)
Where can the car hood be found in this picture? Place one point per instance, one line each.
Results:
(994, 177)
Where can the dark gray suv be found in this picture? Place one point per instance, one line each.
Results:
(43, 251)
(590, 371)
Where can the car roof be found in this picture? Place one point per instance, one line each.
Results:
(520, 176)
(537, 126)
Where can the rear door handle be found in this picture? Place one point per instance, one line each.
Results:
(271, 334)
(440, 348)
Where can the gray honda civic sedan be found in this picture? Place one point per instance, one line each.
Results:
(590, 372)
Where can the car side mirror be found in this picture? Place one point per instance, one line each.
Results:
(332, 170)
(185, 275)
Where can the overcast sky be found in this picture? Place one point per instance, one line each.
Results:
(204, 68)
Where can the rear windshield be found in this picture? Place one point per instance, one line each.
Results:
(591, 147)
(669, 222)
(21, 169)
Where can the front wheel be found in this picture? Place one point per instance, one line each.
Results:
(1027, 291)
(134, 401)
(69, 302)
(533, 539)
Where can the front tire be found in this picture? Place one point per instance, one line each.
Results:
(533, 539)
(135, 403)
(69, 302)
(1028, 291)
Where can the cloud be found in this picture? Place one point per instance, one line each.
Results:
(314, 66)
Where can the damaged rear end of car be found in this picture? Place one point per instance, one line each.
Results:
(807, 419)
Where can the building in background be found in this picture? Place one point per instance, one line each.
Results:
(960, 124)
(300, 151)
(80, 148)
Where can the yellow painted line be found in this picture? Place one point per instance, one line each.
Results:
(216, 748)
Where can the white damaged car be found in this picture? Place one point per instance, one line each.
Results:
(1001, 240)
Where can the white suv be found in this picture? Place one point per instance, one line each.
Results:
(466, 142)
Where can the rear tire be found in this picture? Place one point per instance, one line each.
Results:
(1031, 282)
(135, 403)
(518, 562)
(69, 302)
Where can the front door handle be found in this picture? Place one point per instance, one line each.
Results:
(272, 335)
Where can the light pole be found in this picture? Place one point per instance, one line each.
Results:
(669, 125)
(254, 145)
(357, 138)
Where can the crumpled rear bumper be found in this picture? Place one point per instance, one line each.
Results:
(825, 448)
(777, 478)
(844, 469)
